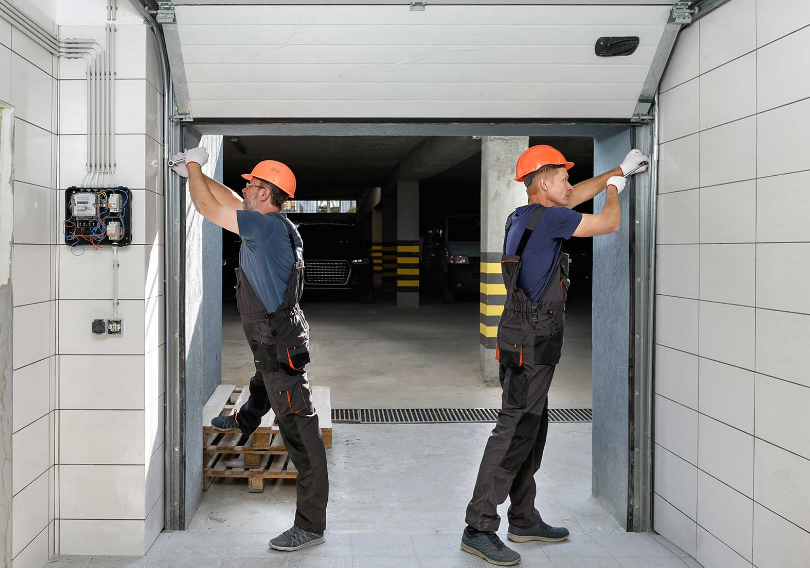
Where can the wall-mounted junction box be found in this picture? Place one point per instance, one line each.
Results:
(95, 216)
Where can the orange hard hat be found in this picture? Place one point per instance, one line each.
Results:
(276, 173)
(538, 156)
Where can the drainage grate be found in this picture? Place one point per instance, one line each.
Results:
(443, 415)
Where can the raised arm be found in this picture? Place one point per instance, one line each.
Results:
(609, 220)
(586, 190)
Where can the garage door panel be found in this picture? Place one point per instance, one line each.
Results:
(494, 34)
(397, 54)
(416, 109)
(377, 61)
(457, 15)
(509, 74)
(415, 91)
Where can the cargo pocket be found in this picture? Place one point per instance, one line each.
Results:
(264, 356)
(296, 400)
(296, 356)
(509, 350)
(548, 341)
(565, 282)
(516, 387)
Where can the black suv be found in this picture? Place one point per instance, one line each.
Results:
(452, 256)
(335, 259)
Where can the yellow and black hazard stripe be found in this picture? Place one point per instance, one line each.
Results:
(377, 257)
(408, 266)
(389, 262)
(492, 298)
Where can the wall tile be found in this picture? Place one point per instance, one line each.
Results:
(676, 481)
(676, 429)
(154, 323)
(102, 492)
(728, 273)
(711, 553)
(777, 542)
(153, 430)
(35, 555)
(679, 111)
(154, 485)
(729, 92)
(782, 138)
(90, 275)
(727, 33)
(727, 454)
(154, 524)
(727, 334)
(30, 393)
(32, 158)
(678, 270)
(33, 214)
(675, 526)
(33, 333)
(154, 270)
(83, 387)
(783, 277)
(154, 113)
(777, 223)
(5, 34)
(30, 50)
(31, 93)
(102, 537)
(782, 341)
(728, 153)
(155, 369)
(727, 394)
(679, 218)
(728, 213)
(726, 514)
(5, 73)
(76, 337)
(131, 106)
(30, 513)
(676, 324)
(772, 23)
(130, 50)
(679, 164)
(30, 454)
(31, 275)
(83, 442)
(676, 376)
(781, 414)
(780, 483)
(154, 74)
(684, 63)
(777, 82)
(134, 168)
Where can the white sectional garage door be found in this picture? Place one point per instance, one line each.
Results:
(450, 61)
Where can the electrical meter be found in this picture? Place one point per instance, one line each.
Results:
(98, 216)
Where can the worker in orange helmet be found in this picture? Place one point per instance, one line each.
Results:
(530, 338)
(269, 285)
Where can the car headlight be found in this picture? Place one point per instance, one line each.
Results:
(361, 261)
(459, 259)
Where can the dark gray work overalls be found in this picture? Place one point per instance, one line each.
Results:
(530, 338)
(280, 345)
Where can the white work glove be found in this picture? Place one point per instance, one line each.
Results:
(198, 155)
(617, 181)
(632, 161)
(180, 166)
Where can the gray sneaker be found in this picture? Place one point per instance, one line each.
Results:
(541, 531)
(488, 546)
(296, 538)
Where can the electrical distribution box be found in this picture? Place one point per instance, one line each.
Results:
(95, 216)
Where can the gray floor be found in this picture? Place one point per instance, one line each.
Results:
(398, 492)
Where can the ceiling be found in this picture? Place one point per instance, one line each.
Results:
(502, 60)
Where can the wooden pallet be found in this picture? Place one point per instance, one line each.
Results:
(260, 456)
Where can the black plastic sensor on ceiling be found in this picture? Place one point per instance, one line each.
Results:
(616, 46)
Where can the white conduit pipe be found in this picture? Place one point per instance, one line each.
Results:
(112, 98)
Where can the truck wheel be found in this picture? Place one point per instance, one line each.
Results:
(448, 296)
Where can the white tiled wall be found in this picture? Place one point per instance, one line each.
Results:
(87, 410)
(733, 299)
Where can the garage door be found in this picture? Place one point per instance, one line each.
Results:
(494, 60)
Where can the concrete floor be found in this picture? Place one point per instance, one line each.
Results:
(376, 356)
(399, 492)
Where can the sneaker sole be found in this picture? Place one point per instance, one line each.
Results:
(480, 554)
(299, 547)
(518, 538)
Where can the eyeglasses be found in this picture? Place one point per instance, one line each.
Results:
(253, 185)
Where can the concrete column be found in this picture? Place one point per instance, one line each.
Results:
(389, 240)
(500, 195)
(408, 244)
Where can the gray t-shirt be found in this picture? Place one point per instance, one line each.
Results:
(266, 257)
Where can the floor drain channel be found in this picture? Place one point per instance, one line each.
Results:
(444, 415)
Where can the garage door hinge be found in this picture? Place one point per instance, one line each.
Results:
(165, 13)
(418, 6)
(682, 13)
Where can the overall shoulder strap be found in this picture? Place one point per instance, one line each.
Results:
(527, 232)
(286, 222)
